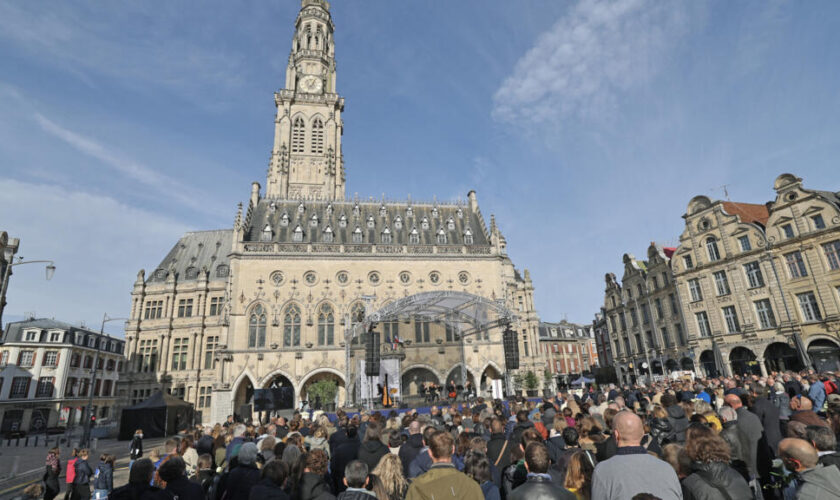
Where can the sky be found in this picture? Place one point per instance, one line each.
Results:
(585, 127)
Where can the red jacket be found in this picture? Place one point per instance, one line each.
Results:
(540, 427)
(71, 470)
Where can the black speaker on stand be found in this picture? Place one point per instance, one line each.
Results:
(372, 353)
(511, 347)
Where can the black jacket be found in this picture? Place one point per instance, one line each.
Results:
(313, 487)
(679, 423)
(204, 445)
(105, 479)
(356, 495)
(371, 451)
(240, 480)
(661, 430)
(555, 446)
(336, 438)
(135, 449)
(267, 490)
(139, 491)
(185, 489)
(768, 413)
(540, 488)
(831, 459)
(83, 472)
(708, 481)
(409, 451)
(344, 453)
(495, 446)
(518, 429)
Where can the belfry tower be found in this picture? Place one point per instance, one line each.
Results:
(306, 161)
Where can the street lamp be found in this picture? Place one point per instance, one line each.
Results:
(8, 254)
(86, 436)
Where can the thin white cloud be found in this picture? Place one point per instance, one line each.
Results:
(98, 245)
(597, 51)
(164, 185)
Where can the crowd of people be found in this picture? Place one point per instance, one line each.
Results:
(750, 437)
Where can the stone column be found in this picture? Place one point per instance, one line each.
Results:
(762, 367)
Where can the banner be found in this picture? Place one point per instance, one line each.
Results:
(369, 386)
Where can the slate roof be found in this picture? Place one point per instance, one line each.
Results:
(269, 214)
(196, 251)
(14, 332)
(748, 212)
(578, 331)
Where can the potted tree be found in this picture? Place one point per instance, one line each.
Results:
(325, 391)
(532, 383)
(548, 383)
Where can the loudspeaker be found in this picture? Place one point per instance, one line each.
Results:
(511, 346)
(372, 354)
(245, 413)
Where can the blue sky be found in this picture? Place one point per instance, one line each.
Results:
(585, 127)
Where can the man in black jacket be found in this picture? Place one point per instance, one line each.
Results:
(344, 453)
(173, 473)
(825, 442)
(538, 485)
(411, 448)
(768, 413)
(139, 484)
(498, 449)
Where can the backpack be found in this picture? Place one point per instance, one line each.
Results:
(830, 387)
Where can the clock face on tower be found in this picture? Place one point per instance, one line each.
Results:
(311, 84)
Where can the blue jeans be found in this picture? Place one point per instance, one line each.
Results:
(100, 494)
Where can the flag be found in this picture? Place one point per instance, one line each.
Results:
(395, 342)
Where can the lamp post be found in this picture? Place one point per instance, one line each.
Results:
(86, 436)
(8, 254)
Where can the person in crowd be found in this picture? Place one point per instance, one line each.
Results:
(749, 433)
(538, 483)
(272, 483)
(312, 485)
(266, 453)
(206, 473)
(676, 417)
(103, 482)
(767, 414)
(477, 466)
(70, 475)
(189, 454)
(135, 448)
(372, 448)
(173, 473)
(139, 484)
(632, 470)
(53, 469)
(816, 393)
(389, 473)
(579, 475)
(825, 442)
(244, 475)
(423, 460)
(31, 492)
(497, 447)
(814, 480)
(443, 480)
(411, 448)
(356, 480)
(318, 440)
(83, 476)
(711, 476)
(238, 440)
(344, 453)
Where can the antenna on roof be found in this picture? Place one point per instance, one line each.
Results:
(725, 191)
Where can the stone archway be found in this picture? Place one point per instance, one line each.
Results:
(743, 361)
(318, 375)
(779, 356)
(282, 391)
(455, 375)
(489, 374)
(707, 363)
(671, 365)
(687, 364)
(824, 354)
(656, 367)
(414, 377)
(243, 395)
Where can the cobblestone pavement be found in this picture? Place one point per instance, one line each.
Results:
(27, 463)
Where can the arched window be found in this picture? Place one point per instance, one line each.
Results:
(712, 249)
(266, 233)
(291, 326)
(386, 236)
(441, 237)
(298, 133)
(328, 235)
(298, 234)
(414, 236)
(326, 325)
(357, 235)
(317, 141)
(256, 327)
(468, 236)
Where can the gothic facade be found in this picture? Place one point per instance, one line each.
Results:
(269, 302)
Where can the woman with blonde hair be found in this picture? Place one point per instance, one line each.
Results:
(389, 472)
(579, 475)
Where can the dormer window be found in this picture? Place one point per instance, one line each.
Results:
(382, 211)
(192, 272)
(313, 221)
(424, 224)
(468, 236)
(266, 233)
(32, 336)
(272, 207)
(409, 212)
(441, 237)
(370, 222)
(297, 235)
(357, 235)
(342, 221)
(386, 236)
(284, 219)
(328, 235)
(434, 212)
(450, 224)
(329, 210)
(55, 336)
(356, 210)
(414, 236)
(460, 213)
(301, 208)
(398, 222)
